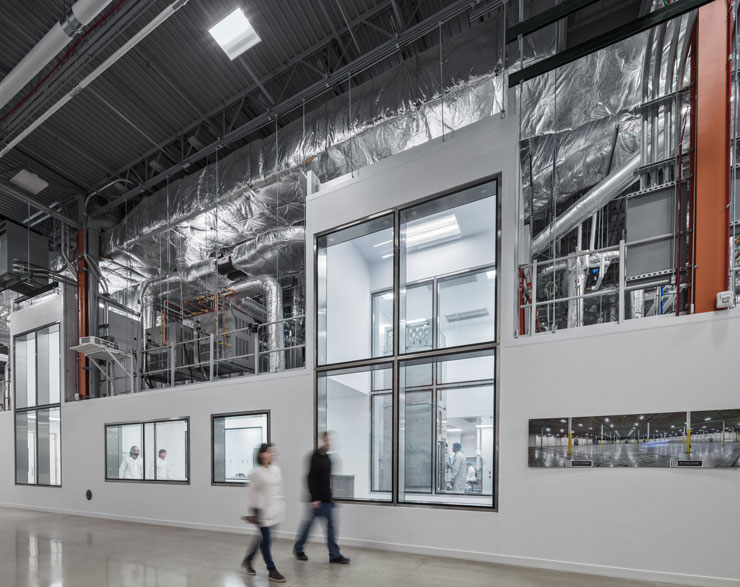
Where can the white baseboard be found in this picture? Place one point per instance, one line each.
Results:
(505, 559)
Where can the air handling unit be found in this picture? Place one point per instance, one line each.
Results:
(21, 248)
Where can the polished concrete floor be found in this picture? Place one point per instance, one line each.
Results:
(51, 550)
(651, 454)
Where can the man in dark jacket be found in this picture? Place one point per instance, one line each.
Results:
(319, 487)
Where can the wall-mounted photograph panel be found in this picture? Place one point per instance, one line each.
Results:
(715, 437)
(672, 439)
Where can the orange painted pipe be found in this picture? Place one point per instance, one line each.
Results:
(712, 155)
(83, 316)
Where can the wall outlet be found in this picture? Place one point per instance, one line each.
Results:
(724, 300)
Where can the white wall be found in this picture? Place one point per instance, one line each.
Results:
(642, 517)
(348, 303)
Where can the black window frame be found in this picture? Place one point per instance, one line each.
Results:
(36, 407)
(213, 443)
(142, 423)
(396, 358)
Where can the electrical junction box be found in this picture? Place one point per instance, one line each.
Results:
(724, 300)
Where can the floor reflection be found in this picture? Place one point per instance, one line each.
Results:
(650, 454)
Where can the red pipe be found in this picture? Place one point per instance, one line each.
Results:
(83, 316)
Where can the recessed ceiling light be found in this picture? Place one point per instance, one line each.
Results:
(422, 232)
(30, 182)
(235, 34)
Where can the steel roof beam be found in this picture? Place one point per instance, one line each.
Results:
(357, 66)
(11, 192)
(237, 98)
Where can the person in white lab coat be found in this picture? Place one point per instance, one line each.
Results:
(131, 466)
(458, 469)
(265, 507)
(163, 466)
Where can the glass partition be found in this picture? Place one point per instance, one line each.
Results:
(352, 265)
(236, 440)
(446, 430)
(356, 407)
(157, 451)
(37, 364)
(448, 270)
(411, 417)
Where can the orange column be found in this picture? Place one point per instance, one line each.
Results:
(83, 317)
(712, 155)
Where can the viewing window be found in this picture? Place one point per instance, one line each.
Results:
(448, 271)
(412, 418)
(38, 455)
(157, 451)
(236, 440)
(446, 436)
(356, 406)
(355, 297)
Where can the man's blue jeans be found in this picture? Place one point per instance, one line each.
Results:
(325, 510)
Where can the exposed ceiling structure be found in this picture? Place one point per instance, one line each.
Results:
(145, 118)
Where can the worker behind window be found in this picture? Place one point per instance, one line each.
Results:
(458, 469)
(131, 467)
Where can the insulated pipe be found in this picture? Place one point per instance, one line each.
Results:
(125, 48)
(80, 14)
(612, 185)
(269, 286)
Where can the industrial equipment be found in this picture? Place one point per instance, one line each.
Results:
(21, 252)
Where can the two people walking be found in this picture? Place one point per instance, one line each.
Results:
(266, 507)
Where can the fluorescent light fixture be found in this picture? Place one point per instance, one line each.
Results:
(642, 417)
(707, 419)
(563, 421)
(454, 430)
(386, 256)
(422, 232)
(606, 419)
(491, 274)
(387, 296)
(484, 426)
(547, 430)
(234, 34)
(581, 425)
(416, 321)
(383, 243)
(29, 181)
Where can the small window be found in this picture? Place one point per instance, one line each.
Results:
(157, 451)
(236, 441)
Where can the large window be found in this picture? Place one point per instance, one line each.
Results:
(236, 440)
(38, 454)
(356, 406)
(353, 264)
(157, 451)
(447, 429)
(412, 416)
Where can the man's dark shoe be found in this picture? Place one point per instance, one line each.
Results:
(276, 576)
(247, 564)
(340, 560)
(301, 556)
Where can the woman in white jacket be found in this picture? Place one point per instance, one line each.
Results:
(265, 508)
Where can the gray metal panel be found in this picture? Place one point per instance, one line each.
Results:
(650, 215)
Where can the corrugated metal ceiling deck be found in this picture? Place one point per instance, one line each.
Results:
(174, 77)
